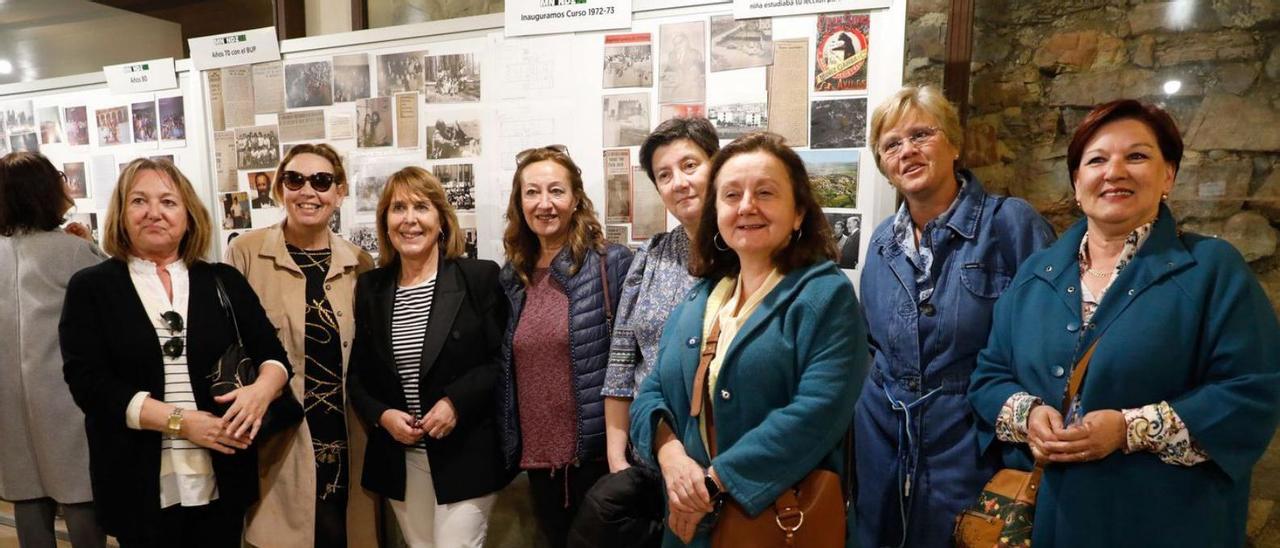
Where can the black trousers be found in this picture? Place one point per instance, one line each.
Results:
(557, 494)
(214, 525)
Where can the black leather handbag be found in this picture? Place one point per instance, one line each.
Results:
(235, 370)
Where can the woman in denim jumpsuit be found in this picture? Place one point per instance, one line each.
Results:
(933, 273)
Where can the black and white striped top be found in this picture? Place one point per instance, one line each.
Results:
(409, 317)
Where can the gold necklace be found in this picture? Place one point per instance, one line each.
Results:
(1098, 274)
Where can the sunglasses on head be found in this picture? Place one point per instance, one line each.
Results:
(524, 154)
(173, 347)
(320, 181)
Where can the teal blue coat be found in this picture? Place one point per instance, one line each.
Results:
(1186, 322)
(784, 398)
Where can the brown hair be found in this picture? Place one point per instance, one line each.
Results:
(814, 243)
(697, 130)
(925, 99)
(416, 181)
(519, 241)
(32, 194)
(322, 150)
(1162, 125)
(115, 238)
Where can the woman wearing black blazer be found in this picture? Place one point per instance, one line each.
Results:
(140, 335)
(429, 327)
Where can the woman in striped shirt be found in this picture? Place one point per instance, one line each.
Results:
(429, 328)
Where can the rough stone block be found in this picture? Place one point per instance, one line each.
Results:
(1171, 16)
(1069, 50)
(1206, 46)
(1252, 234)
(1235, 78)
(1214, 190)
(1266, 199)
(1247, 13)
(1144, 52)
(1089, 89)
(1228, 122)
(1273, 64)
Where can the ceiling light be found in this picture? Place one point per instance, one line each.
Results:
(6, 67)
(1172, 86)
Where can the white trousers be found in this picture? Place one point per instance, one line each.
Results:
(426, 524)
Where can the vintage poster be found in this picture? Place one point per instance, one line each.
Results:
(302, 125)
(625, 119)
(308, 84)
(789, 91)
(649, 215)
(237, 96)
(684, 70)
(740, 43)
(373, 115)
(350, 77)
(628, 60)
(407, 120)
(833, 175)
(738, 119)
(617, 182)
(451, 78)
(268, 87)
(841, 52)
(839, 123)
(217, 114)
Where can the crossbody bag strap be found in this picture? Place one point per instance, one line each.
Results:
(604, 283)
(225, 300)
(1073, 388)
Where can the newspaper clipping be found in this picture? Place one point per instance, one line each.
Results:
(625, 119)
(616, 234)
(400, 72)
(217, 117)
(257, 147)
(628, 61)
(77, 125)
(407, 120)
(742, 43)
(374, 117)
(617, 180)
(841, 55)
(451, 78)
(237, 96)
(224, 160)
(788, 91)
(350, 77)
(684, 76)
(268, 87)
(649, 216)
(839, 123)
(302, 125)
(341, 126)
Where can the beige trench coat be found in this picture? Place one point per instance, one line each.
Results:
(285, 515)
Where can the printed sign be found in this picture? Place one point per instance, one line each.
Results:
(751, 9)
(528, 17)
(235, 48)
(153, 75)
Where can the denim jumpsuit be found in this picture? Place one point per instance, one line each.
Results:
(918, 464)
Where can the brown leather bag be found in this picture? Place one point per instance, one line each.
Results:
(1005, 510)
(809, 514)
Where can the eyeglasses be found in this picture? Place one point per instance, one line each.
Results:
(918, 137)
(320, 181)
(173, 347)
(524, 154)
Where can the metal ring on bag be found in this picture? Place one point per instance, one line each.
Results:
(778, 519)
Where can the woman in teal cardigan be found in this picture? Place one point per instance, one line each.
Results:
(791, 349)
(1180, 398)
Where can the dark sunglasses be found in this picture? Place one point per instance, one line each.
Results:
(320, 181)
(524, 154)
(173, 347)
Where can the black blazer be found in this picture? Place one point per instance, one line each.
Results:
(460, 360)
(110, 352)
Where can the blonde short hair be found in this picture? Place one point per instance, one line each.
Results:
(416, 181)
(925, 99)
(115, 237)
(322, 150)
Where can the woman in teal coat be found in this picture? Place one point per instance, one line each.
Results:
(1180, 399)
(791, 351)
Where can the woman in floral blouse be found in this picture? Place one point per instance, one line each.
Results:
(1180, 398)
(676, 156)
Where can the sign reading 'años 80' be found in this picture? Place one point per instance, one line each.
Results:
(526, 17)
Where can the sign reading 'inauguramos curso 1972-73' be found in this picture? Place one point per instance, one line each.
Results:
(525, 17)
(750, 9)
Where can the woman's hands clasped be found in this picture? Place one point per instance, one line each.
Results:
(249, 403)
(1098, 434)
(210, 432)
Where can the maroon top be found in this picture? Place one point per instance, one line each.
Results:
(544, 388)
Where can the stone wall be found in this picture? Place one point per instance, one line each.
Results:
(1039, 66)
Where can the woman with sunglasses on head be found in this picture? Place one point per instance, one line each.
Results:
(932, 275)
(140, 336)
(563, 280)
(306, 277)
(44, 463)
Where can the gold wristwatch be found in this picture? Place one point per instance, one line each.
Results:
(174, 425)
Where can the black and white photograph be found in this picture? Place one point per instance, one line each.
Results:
(738, 119)
(400, 72)
(113, 126)
(846, 230)
(740, 43)
(838, 123)
(18, 117)
(453, 137)
(257, 147)
(308, 84)
(350, 77)
(683, 58)
(365, 235)
(453, 78)
(459, 185)
(144, 121)
(173, 119)
(235, 210)
(50, 125)
(260, 185)
(77, 182)
(373, 122)
(628, 61)
(625, 119)
(833, 175)
(24, 142)
(368, 189)
(77, 124)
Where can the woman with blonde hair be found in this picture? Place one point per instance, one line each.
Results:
(141, 335)
(429, 327)
(306, 277)
(563, 281)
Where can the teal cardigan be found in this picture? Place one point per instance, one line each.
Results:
(1186, 322)
(784, 398)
